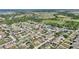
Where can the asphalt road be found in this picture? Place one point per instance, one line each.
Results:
(76, 43)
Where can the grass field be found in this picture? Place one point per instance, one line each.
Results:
(2, 42)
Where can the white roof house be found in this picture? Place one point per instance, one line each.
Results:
(0, 36)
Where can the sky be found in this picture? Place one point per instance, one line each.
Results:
(37, 4)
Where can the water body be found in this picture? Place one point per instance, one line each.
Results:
(6, 11)
(2, 11)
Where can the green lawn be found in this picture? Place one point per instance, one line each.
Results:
(53, 21)
(2, 42)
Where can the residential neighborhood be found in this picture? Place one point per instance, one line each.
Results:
(38, 30)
